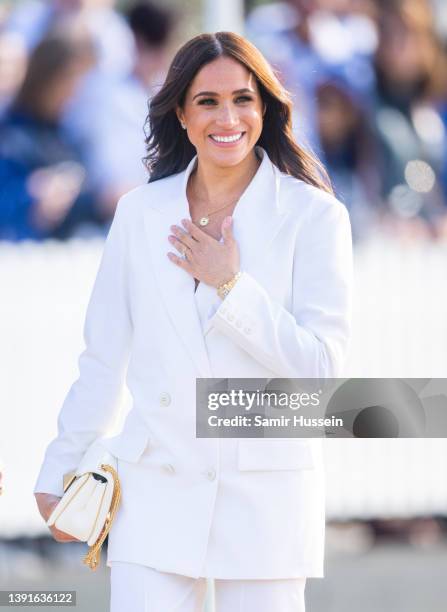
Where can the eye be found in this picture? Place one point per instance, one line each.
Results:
(244, 99)
(207, 101)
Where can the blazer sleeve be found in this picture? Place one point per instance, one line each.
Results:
(93, 401)
(311, 340)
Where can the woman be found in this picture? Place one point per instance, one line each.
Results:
(232, 193)
(42, 176)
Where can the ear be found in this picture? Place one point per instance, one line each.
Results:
(179, 113)
(264, 109)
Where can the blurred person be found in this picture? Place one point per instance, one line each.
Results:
(304, 38)
(349, 151)
(115, 50)
(41, 175)
(33, 19)
(13, 61)
(409, 126)
(116, 142)
(283, 33)
(257, 282)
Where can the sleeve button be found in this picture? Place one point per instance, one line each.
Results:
(165, 399)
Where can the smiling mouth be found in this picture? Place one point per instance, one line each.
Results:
(227, 139)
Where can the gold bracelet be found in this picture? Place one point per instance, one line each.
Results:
(224, 289)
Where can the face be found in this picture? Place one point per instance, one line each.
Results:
(223, 113)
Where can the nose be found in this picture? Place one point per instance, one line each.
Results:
(227, 117)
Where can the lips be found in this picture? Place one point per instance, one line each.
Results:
(227, 138)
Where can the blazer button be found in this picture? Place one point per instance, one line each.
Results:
(211, 475)
(165, 399)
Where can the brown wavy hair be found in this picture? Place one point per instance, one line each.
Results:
(169, 150)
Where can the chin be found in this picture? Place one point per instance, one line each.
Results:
(228, 159)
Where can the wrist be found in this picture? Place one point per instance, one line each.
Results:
(223, 289)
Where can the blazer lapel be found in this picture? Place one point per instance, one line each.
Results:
(258, 215)
(176, 286)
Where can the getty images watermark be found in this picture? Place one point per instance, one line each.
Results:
(317, 408)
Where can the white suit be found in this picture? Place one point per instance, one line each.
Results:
(234, 509)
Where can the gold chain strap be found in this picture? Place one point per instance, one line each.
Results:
(92, 557)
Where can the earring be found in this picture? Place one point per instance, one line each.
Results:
(183, 125)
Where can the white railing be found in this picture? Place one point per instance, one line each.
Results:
(400, 330)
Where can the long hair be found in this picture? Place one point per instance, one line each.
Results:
(169, 150)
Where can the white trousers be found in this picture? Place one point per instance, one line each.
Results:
(137, 588)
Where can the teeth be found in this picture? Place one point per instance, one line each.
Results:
(227, 138)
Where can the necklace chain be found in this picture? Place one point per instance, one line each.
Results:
(206, 218)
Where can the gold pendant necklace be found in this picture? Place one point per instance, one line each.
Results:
(203, 221)
(206, 218)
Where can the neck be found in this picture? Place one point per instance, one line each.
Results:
(216, 184)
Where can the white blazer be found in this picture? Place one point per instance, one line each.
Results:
(247, 508)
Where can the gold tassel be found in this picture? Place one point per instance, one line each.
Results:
(93, 556)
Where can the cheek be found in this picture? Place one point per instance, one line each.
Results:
(197, 126)
(254, 119)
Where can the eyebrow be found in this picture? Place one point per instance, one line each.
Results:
(213, 93)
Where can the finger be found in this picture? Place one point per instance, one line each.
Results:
(184, 237)
(227, 229)
(48, 510)
(196, 232)
(180, 246)
(61, 536)
(181, 263)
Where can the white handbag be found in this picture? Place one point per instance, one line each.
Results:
(90, 501)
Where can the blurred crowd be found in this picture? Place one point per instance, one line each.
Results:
(75, 80)
(368, 80)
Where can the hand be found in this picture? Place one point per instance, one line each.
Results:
(54, 190)
(46, 504)
(206, 258)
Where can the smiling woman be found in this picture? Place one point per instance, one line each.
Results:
(259, 103)
(262, 291)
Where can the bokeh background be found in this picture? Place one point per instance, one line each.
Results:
(369, 82)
